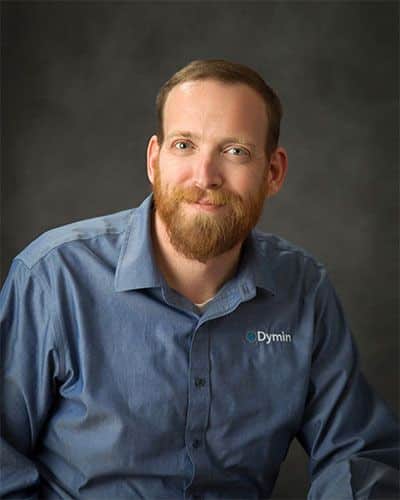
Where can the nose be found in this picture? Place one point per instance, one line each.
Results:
(207, 173)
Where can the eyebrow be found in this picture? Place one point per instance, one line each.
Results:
(189, 135)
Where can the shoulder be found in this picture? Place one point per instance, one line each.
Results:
(66, 237)
(291, 265)
(280, 248)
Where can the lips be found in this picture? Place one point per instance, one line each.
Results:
(210, 207)
(207, 204)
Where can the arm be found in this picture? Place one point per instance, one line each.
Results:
(350, 434)
(29, 369)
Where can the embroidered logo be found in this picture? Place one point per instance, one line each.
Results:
(268, 337)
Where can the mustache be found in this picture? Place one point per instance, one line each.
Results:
(195, 194)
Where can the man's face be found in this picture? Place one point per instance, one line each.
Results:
(210, 174)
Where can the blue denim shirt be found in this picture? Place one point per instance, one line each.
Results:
(115, 386)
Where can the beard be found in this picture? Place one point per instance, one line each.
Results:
(206, 235)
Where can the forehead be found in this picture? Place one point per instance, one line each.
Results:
(210, 107)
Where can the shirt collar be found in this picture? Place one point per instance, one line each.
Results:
(136, 266)
(137, 269)
(257, 260)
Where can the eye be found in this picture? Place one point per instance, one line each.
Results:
(181, 145)
(237, 151)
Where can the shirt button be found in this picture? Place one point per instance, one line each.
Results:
(199, 382)
(196, 443)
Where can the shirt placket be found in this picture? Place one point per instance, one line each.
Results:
(198, 409)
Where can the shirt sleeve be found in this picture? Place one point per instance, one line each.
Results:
(349, 433)
(29, 370)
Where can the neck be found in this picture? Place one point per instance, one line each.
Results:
(197, 281)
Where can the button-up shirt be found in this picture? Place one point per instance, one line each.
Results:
(116, 386)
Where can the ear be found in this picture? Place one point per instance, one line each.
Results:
(277, 170)
(153, 151)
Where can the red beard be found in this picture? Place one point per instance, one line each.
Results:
(206, 235)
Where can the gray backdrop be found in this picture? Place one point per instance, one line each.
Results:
(79, 83)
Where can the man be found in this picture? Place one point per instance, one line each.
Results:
(173, 351)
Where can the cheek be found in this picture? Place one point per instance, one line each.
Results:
(243, 182)
(173, 171)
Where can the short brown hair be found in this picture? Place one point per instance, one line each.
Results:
(228, 72)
